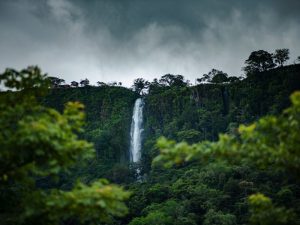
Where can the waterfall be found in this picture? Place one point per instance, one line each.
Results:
(136, 131)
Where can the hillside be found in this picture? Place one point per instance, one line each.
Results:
(108, 118)
(182, 113)
(215, 191)
(240, 177)
(202, 112)
(190, 113)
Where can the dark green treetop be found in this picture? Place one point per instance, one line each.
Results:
(259, 61)
(281, 56)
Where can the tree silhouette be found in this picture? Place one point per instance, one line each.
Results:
(140, 84)
(281, 56)
(259, 61)
(214, 76)
(56, 81)
(84, 82)
(74, 84)
(172, 80)
(100, 83)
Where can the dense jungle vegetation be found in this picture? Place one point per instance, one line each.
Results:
(190, 174)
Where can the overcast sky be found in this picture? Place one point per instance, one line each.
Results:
(120, 40)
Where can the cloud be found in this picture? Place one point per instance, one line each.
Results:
(121, 40)
(62, 10)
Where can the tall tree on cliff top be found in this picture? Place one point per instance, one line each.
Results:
(140, 84)
(172, 80)
(55, 81)
(281, 56)
(259, 61)
(84, 82)
(214, 76)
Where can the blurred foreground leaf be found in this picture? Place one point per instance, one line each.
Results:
(38, 143)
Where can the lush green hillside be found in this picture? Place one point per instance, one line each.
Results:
(202, 112)
(179, 112)
(214, 192)
(108, 118)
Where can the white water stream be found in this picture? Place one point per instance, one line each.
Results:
(136, 131)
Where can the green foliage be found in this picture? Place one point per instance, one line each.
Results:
(211, 181)
(271, 142)
(259, 61)
(170, 212)
(214, 191)
(39, 143)
(218, 218)
(190, 136)
(28, 80)
(194, 193)
(36, 139)
(108, 119)
(153, 218)
(263, 212)
(201, 112)
(86, 204)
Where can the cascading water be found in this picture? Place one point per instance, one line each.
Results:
(136, 131)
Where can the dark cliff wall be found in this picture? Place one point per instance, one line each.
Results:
(201, 112)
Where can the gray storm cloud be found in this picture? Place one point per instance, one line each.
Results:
(121, 40)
